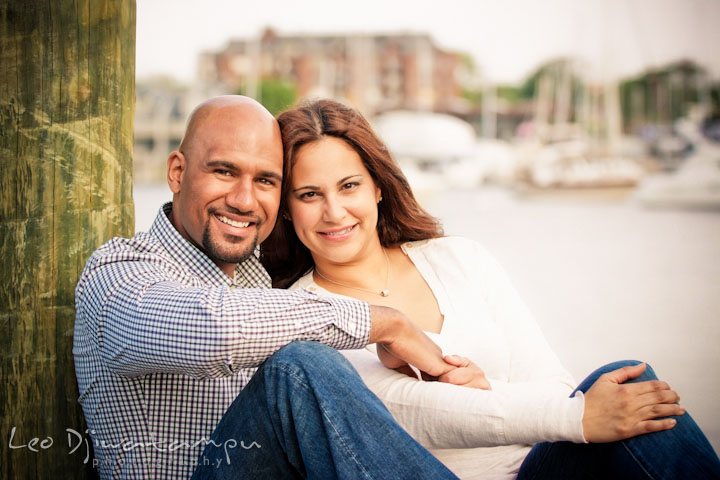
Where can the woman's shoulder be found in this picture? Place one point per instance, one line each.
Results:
(452, 252)
(306, 281)
(450, 244)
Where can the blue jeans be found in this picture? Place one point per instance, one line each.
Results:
(682, 452)
(306, 413)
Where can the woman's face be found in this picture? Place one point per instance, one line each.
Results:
(333, 202)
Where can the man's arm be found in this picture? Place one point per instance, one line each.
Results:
(401, 342)
(144, 318)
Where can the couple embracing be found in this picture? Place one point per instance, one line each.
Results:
(294, 313)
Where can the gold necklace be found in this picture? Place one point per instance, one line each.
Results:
(383, 293)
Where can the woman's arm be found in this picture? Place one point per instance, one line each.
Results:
(612, 411)
(442, 415)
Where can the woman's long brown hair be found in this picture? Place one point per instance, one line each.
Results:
(400, 217)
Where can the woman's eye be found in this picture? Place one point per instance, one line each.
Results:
(307, 195)
(350, 186)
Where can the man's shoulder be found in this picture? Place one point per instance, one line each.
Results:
(121, 255)
(137, 247)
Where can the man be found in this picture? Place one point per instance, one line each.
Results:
(173, 323)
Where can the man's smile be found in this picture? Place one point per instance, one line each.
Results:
(233, 223)
(239, 226)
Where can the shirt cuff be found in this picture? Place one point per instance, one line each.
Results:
(353, 318)
(578, 412)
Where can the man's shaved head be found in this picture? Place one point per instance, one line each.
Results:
(233, 108)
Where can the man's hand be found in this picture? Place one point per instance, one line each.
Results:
(401, 342)
(467, 374)
(615, 411)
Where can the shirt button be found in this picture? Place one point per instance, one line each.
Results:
(233, 287)
(313, 289)
(408, 245)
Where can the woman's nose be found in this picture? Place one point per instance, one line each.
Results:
(334, 210)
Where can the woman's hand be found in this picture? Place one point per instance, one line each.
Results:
(616, 411)
(467, 374)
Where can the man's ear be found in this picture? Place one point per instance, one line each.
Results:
(176, 165)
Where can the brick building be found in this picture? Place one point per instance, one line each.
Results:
(374, 73)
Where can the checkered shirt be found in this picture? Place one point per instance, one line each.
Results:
(165, 341)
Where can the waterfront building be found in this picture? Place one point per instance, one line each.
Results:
(373, 72)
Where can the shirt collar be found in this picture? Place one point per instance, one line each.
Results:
(247, 274)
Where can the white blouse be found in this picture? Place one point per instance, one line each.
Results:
(477, 433)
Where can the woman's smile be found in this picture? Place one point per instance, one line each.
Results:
(338, 235)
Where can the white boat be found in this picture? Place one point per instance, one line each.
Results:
(435, 151)
(696, 183)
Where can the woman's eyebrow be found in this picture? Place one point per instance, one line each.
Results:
(309, 187)
(340, 182)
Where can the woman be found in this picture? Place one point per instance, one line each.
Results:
(349, 225)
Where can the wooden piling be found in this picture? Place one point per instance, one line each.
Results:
(67, 95)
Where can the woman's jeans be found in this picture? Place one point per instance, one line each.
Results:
(306, 413)
(682, 452)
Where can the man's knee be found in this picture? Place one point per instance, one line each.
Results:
(308, 355)
(308, 365)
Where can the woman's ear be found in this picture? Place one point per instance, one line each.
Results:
(176, 165)
(378, 195)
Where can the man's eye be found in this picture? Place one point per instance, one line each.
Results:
(266, 181)
(223, 172)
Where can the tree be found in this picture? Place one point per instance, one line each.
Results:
(275, 95)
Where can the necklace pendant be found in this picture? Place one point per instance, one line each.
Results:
(385, 293)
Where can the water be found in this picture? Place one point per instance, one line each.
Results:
(148, 200)
(606, 280)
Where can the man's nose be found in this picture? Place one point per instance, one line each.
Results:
(334, 210)
(242, 196)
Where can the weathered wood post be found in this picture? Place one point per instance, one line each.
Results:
(67, 94)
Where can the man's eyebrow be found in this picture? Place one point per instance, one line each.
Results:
(269, 174)
(231, 166)
(221, 163)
